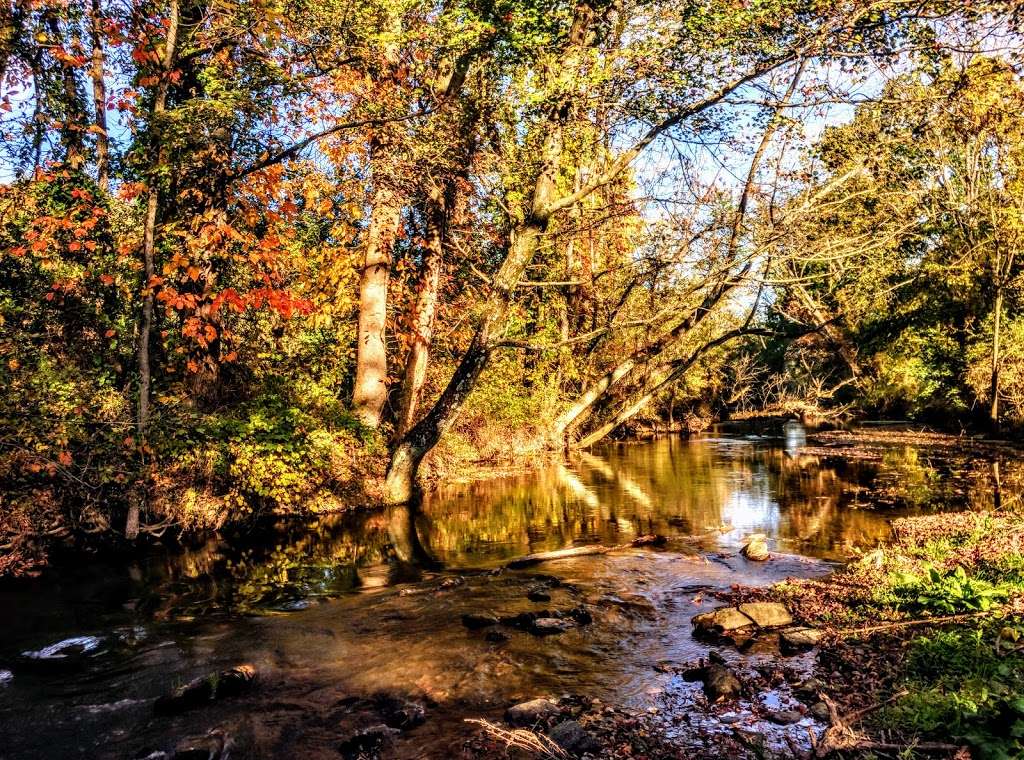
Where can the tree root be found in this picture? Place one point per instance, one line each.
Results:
(921, 621)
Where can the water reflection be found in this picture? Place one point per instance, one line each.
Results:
(671, 486)
(725, 486)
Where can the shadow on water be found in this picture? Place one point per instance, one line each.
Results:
(349, 606)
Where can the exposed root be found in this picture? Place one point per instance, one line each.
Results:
(919, 621)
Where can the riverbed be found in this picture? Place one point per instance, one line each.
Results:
(354, 611)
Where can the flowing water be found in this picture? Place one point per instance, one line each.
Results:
(334, 612)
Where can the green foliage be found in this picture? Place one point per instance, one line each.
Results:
(965, 683)
(918, 375)
(949, 592)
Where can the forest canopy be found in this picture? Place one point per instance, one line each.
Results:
(271, 257)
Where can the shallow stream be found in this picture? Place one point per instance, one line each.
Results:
(334, 612)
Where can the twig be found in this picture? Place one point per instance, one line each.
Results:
(523, 739)
(920, 621)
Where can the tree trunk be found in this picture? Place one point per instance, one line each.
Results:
(663, 376)
(437, 209)
(149, 267)
(99, 98)
(371, 388)
(835, 335)
(523, 242)
(584, 404)
(994, 389)
(406, 458)
(74, 118)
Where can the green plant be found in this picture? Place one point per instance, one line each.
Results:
(963, 683)
(950, 592)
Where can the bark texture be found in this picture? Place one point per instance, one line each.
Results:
(437, 208)
(370, 391)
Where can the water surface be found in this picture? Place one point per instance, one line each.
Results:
(354, 605)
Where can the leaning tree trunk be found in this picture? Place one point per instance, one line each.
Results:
(661, 378)
(370, 391)
(583, 406)
(407, 455)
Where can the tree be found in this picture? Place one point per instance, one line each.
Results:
(930, 239)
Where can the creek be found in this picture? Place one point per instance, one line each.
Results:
(334, 612)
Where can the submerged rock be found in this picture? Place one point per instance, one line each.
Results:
(531, 713)
(538, 595)
(581, 615)
(524, 620)
(477, 620)
(573, 738)
(226, 683)
(767, 614)
(216, 745)
(784, 717)
(549, 625)
(65, 649)
(720, 683)
(794, 640)
(548, 621)
(497, 637)
(399, 713)
(366, 741)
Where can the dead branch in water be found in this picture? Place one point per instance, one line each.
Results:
(582, 551)
(522, 738)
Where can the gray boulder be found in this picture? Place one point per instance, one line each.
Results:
(767, 614)
(722, 619)
(531, 713)
(793, 640)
